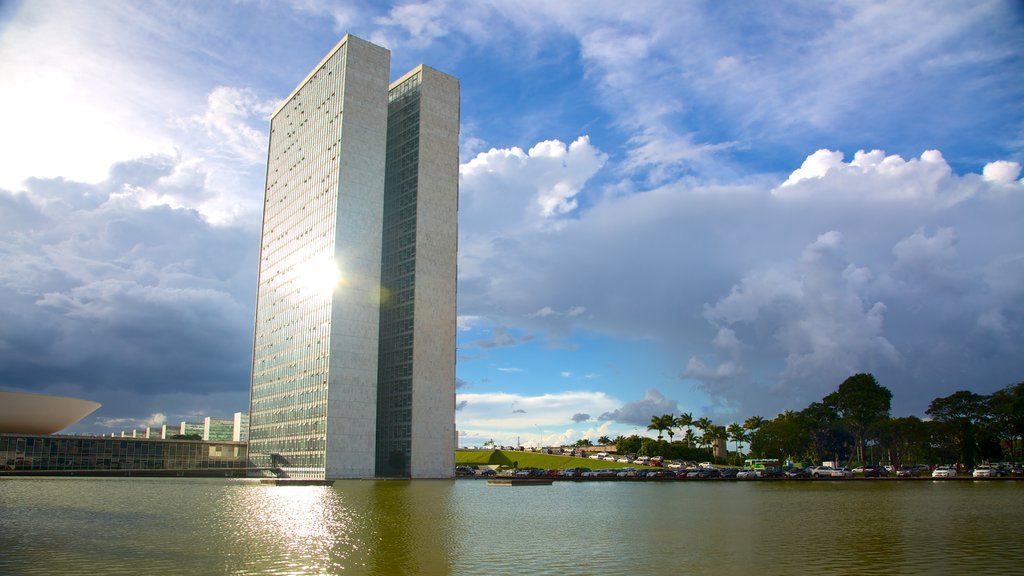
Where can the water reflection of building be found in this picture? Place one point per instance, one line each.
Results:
(354, 347)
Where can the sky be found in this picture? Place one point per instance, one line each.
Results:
(717, 208)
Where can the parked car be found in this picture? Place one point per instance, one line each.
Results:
(796, 473)
(728, 472)
(486, 472)
(944, 472)
(985, 471)
(703, 473)
(908, 472)
(875, 472)
(829, 472)
(747, 473)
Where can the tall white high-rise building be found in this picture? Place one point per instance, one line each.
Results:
(354, 350)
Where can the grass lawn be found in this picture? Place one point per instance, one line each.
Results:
(532, 460)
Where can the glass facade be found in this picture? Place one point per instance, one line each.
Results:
(20, 453)
(351, 202)
(218, 430)
(288, 408)
(398, 276)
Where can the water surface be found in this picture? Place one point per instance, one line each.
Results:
(200, 526)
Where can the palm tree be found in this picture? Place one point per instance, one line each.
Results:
(753, 423)
(660, 424)
(670, 423)
(739, 435)
(685, 420)
(706, 426)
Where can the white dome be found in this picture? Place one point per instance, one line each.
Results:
(27, 413)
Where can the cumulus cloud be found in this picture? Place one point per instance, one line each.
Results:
(509, 189)
(639, 412)
(927, 180)
(851, 266)
(1001, 172)
(580, 417)
(107, 293)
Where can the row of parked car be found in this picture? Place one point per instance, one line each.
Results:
(815, 472)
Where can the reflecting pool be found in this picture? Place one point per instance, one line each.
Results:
(199, 526)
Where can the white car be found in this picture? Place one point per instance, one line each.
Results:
(830, 472)
(944, 472)
(984, 471)
(747, 473)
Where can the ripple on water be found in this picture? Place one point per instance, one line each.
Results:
(177, 526)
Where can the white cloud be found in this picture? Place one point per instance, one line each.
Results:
(494, 411)
(509, 189)
(1001, 172)
(798, 286)
(49, 53)
(873, 175)
(235, 120)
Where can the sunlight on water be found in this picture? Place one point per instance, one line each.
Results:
(181, 526)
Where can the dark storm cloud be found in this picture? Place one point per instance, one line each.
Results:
(105, 297)
(580, 417)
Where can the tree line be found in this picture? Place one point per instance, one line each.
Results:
(853, 425)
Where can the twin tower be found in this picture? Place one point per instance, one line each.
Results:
(354, 353)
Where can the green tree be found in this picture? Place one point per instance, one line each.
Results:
(860, 402)
(661, 424)
(583, 442)
(739, 435)
(828, 440)
(627, 444)
(904, 440)
(959, 418)
(785, 436)
(714, 435)
(1006, 410)
(604, 440)
(707, 437)
(685, 420)
(753, 423)
(652, 447)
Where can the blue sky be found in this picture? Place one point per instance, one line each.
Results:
(716, 208)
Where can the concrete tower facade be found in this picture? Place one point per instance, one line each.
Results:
(353, 366)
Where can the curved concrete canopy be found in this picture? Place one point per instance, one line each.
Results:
(27, 413)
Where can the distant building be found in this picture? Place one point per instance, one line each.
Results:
(235, 429)
(31, 413)
(34, 454)
(354, 348)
